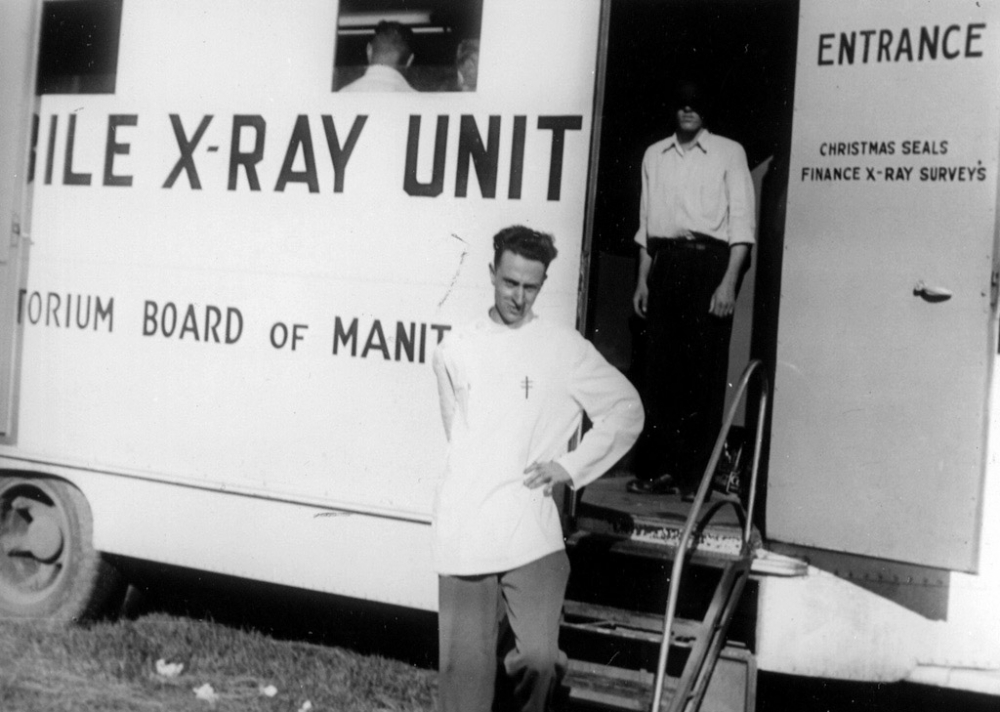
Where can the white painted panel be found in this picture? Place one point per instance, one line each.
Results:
(255, 537)
(104, 388)
(879, 430)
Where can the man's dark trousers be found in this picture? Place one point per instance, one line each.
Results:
(687, 359)
(470, 611)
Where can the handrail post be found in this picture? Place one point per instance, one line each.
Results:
(755, 366)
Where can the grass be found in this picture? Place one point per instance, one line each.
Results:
(339, 656)
(111, 667)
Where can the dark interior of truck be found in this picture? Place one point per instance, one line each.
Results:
(440, 29)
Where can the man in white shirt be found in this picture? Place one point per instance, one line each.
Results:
(514, 389)
(696, 228)
(389, 53)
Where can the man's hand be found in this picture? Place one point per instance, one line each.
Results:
(640, 298)
(723, 299)
(545, 474)
(640, 301)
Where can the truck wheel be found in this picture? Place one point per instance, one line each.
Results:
(48, 566)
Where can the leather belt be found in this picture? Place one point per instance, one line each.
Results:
(698, 242)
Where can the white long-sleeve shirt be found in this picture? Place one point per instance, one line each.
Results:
(512, 397)
(706, 189)
(379, 78)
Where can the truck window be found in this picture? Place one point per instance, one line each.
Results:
(445, 42)
(78, 53)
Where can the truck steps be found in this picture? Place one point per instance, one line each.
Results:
(615, 652)
(592, 686)
(608, 687)
(654, 588)
(598, 538)
(617, 622)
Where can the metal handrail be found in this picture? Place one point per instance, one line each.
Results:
(754, 367)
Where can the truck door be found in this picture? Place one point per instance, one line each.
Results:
(886, 322)
(18, 39)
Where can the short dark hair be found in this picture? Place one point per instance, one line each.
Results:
(529, 244)
(393, 41)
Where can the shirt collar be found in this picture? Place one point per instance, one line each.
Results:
(493, 325)
(702, 141)
(388, 75)
(384, 71)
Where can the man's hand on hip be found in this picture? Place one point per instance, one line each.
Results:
(545, 474)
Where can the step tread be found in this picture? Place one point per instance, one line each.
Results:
(626, 545)
(617, 688)
(623, 623)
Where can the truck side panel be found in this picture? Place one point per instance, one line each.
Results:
(239, 277)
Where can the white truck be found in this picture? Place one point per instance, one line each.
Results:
(223, 280)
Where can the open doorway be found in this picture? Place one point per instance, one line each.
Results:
(746, 51)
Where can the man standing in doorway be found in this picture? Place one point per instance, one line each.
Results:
(514, 388)
(696, 229)
(389, 53)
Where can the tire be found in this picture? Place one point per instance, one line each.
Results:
(48, 566)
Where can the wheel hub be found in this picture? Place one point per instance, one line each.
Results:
(41, 537)
(32, 544)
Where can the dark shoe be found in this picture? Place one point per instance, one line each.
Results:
(726, 482)
(664, 484)
(729, 475)
(688, 495)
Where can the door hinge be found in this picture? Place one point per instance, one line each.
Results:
(995, 285)
(17, 235)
